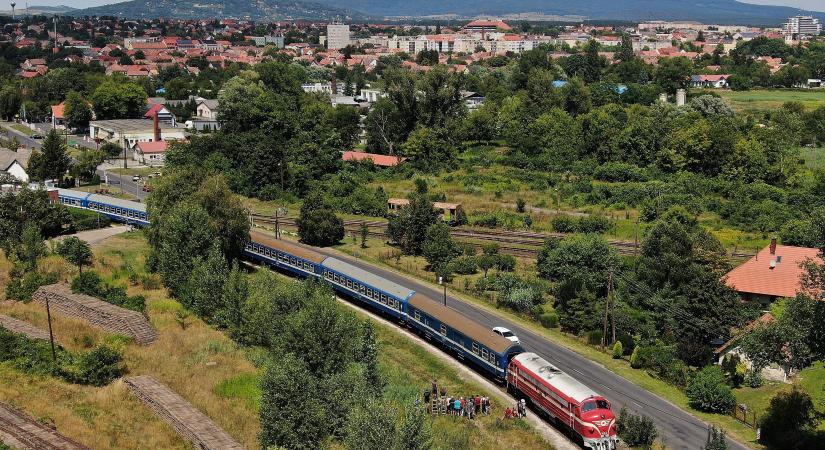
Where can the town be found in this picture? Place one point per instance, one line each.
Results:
(411, 233)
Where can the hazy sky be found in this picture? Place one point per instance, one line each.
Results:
(816, 5)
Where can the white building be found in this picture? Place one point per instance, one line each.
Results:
(15, 163)
(338, 36)
(128, 132)
(799, 27)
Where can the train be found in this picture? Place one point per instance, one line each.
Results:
(549, 390)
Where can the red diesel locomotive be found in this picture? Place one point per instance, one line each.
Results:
(562, 397)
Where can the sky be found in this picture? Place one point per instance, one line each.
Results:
(816, 5)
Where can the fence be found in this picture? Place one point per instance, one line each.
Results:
(744, 415)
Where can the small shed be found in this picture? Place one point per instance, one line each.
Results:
(449, 211)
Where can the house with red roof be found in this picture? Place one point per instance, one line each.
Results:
(483, 26)
(151, 153)
(164, 114)
(710, 81)
(378, 160)
(774, 272)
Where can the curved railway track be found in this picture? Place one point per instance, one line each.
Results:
(519, 243)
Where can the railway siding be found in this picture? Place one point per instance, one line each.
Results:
(22, 432)
(24, 328)
(106, 316)
(190, 423)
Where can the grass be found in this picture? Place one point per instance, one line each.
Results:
(814, 157)
(21, 128)
(207, 369)
(762, 100)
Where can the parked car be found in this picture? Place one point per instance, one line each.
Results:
(37, 136)
(507, 334)
(135, 178)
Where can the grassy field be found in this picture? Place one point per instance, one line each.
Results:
(814, 157)
(762, 100)
(21, 128)
(206, 368)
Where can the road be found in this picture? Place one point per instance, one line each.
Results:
(677, 428)
(94, 237)
(130, 187)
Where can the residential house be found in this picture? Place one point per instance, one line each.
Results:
(151, 153)
(774, 272)
(378, 160)
(732, 348)
(163, 113)
(206, 116)
(15, 163)
(132, 131)
(710, 81)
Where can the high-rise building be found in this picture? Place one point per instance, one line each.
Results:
(799, 27)
(337, 36)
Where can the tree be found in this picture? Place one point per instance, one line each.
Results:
(235, 293)
(371, 427)
(636, 430)
(346, 121)
(384, 126)
(673, 73)
(87, 163)
(317, 222)
(555, 137)
(587, 258)
(710, 107)
(430, 148)
(625, 52)
(439, 248)
(708, 391)
(441, 98)
(75, 251)
(205, 284)
(77, 111)
(31, 247)
(716, 439)
(290, 386)
(111, 150)
(790, 420)
(10, 101)
(180, 235)
(369, 358)
(55, 160)
(414, 431)
(116, 99)
(409, 228)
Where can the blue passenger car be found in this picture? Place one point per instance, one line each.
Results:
(469, 340)
(116, 209)
(378, 292)
(283, 255)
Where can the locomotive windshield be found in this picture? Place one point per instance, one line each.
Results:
(598, 404)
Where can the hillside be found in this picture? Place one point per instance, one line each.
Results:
(724, 11)
(40, 9)
(192, 9)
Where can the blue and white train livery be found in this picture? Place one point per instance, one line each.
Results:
(120, 210)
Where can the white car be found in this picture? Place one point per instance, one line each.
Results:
(507, 334)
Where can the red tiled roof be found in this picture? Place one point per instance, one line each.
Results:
(757, 277)
(57, 110)
(152, 147)
(489, 23)
(763, 320)
(378, 160)
(153, 110)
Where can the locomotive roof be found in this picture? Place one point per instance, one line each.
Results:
(462, 323)
(286, 246)
(552, 375)
(369, 278)
(114, 201)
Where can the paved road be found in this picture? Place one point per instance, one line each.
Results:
(677, 428)
(130, 187)
(94, 237)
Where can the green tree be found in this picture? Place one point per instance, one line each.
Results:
(55, 159)
(431, 148)
(75, 251)
(77, 111)
(10, 102)
(385, 127)
(409, 227)
(708, 391)
(87, 162)
(414, 432)
(317, 222)
(371, 427)
(369, 358)
(716, 440)
(439, 248)
(235, 293)
(117, 99)
(111, 150)
(181, 235)
(556, 137)
(790, 420)
(673, 73)
(441, 98)
(290, 386)
(205, 283)
(636, 430)
(587, 258)
(31, 247)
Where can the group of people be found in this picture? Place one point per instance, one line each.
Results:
(520, 411)
(455, 406)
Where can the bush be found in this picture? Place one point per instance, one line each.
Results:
(87, 220)
(464, 265)
(89, 283)
(98, 367)
(595, 337)
(617, 350)
(708, 391)
(753, 379)
(636, 431)
(634, 359)
(564, 224)
(619, 172)
(22, 288)
(549, 320)
(593, 224)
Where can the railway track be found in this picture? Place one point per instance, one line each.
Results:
(531, 240)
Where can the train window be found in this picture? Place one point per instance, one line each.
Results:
(417, 315)
(475, 348)
(443, 330)
(363, 289)
(484, 353)
(383, 299)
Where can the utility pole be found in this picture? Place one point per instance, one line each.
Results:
(277, 224)
(612, 297)
(443, 283)
(51, 334)
(606, 308)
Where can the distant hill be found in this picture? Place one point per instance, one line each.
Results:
(40, 10)
(271, 10)
(708, 11)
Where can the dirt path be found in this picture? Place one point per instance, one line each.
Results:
(550, 434)
(94, 237)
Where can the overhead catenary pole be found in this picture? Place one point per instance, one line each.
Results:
(51, 334)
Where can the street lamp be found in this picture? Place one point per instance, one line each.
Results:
(441, 282)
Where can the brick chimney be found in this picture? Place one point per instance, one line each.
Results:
(334, 85)
(156, 126)
(773, 246)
